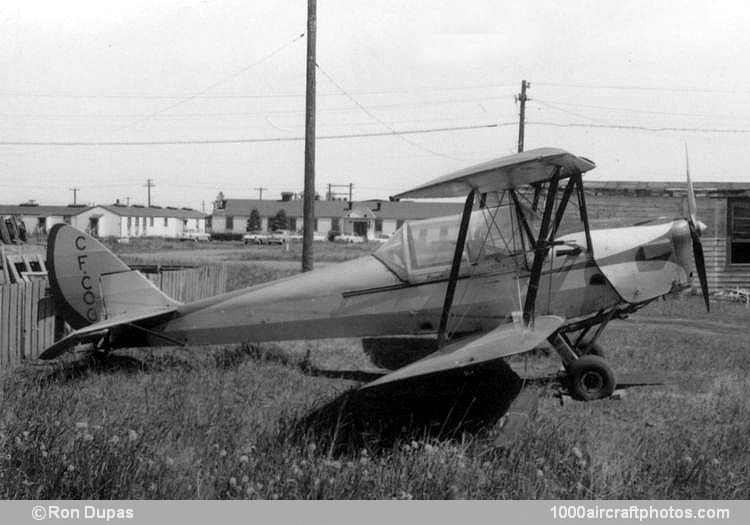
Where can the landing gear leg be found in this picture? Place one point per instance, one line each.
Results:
(587, 377)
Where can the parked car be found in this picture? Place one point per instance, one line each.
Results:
(350, 238)
(194, 235)
(254, 238)
(380, 238)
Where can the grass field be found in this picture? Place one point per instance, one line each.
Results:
(262, 421)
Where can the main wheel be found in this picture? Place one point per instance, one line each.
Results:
(590, 377)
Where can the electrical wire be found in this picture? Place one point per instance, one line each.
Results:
(214, 85)
(383, 123)
(251, 140)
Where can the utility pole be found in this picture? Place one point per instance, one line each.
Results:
(308, 204)
(203, 206)
(149, 184)
(522, 98)
(351, 185)
(260, 192)
(75, 195)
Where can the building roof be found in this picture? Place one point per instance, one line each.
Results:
(144, 211)
(41, 210)
(670, 189)
(403, 210)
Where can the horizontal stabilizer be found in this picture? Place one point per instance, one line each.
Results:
(97, 329)
(503, 341)
(512, 171)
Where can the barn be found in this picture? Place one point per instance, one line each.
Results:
(118, 220)
(364, 218)
(723, 206)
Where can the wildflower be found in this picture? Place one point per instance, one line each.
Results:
(539, 473)
(44, 453)
(115, 440)
(233, 481)
(715, 461)
(132, 435)
(87, 437)
(687, 459)
(312, 447)
(577, 452)
(25, 433)
(82, 425)
(244, 458)
(71, 467)
(152, 487)
(245, 479)
(222, 453)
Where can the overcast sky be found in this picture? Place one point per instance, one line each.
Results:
(604, 77)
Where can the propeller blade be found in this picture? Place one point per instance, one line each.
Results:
(700, 263)
(692, 208)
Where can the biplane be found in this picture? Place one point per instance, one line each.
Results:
(502, 278)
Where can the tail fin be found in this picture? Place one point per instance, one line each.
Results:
(91, 284)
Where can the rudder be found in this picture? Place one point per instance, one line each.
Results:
(90, 283)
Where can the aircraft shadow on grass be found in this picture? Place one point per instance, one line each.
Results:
(444, 405)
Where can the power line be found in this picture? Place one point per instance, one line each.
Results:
(215, 84)
(634, 110)
(251, 140)
(288, 94)
(383, 123)
(674, 89)
(643, 128)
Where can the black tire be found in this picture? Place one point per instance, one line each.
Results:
(590, 377)
(593, 349)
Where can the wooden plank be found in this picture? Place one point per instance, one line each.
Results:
(4, 325)
(16, 323)
(28, 317)
(33, 319)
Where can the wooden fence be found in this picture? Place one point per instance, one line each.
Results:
(28, 314)
(27, 321)
(191, 284)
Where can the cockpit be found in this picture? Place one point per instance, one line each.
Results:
(423, 250)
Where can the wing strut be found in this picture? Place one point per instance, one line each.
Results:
(540, 249)
(457, 254)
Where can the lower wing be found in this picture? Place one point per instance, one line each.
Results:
(503, 341)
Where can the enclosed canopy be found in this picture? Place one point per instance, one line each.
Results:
(533, 166)
(424, 249)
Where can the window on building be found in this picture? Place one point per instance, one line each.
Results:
(166, 222)
(399, 223)
(293, 224)
(316, 225)
(137, 222)
(336, 224)
(378, 225)
(230, 222)
(151, 221)
(67, 219)
(739, 232)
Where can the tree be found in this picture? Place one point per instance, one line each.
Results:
(278, 221)
(253, 222)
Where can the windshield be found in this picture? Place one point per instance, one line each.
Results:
(429, 245)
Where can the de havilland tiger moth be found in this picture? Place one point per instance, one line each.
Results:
(499, 279)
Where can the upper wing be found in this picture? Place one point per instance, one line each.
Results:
(501, 342)
(536, 165)
(84, 334)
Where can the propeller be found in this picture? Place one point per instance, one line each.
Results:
(696, 228)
